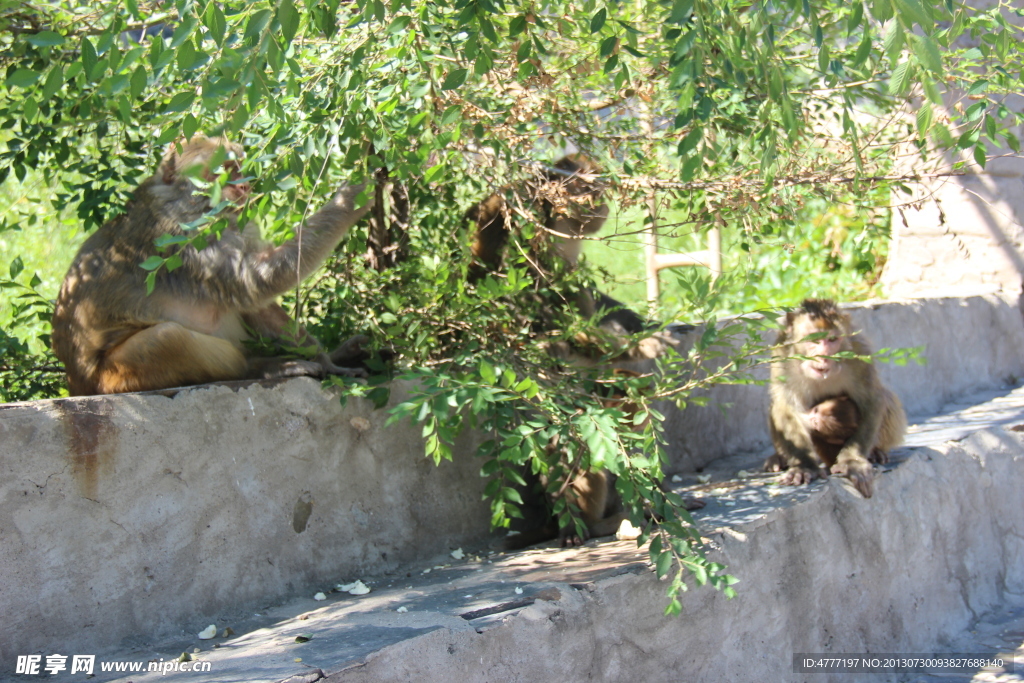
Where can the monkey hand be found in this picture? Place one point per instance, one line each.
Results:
(346, 196)
(329, 368)
(350, 350)
(878, 456)
(776, 463)
(859, 472)
(571, 540)
(798, 476)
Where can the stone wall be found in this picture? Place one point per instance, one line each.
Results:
(146, 513)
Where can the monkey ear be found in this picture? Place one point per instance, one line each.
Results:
(168, 171)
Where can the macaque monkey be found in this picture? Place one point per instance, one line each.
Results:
(812, 335)
(570, 199)
(592, 491)
(831, 423)
(114, 337)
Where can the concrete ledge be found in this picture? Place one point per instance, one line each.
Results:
(145, 514)
(936, 553)
(941, 542)
(135, 514)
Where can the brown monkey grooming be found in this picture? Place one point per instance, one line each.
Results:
(112, 337)
(797, 385)
(831, 424)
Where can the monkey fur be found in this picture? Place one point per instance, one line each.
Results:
(831, 423)
(114, 337)
(805, 373)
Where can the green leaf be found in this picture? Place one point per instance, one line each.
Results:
(912, 9)
(180, 102)
(598, 20)
(152, 263)
(54, 81)
(88, 55)
(927, 53)
(924, 119)
(124, 110)
(216, 22)
(288, 17)
(189, 126)
(45, 39)
(894, 40)
(487, 372)
(682, 10)
(900, 80)
(979, 86)
(22, 78)
(980, 155)
(663, 564)
(16, 267)
(451, 115)
(608, 46)
(186, 56)
(257, 24)
(454, 79)
(881, 10)
(184, 30)
(139, 81)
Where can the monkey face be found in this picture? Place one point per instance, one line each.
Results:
(820, 366)
(208, 159)
(237, 188)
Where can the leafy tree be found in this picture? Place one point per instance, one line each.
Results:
(718, 112)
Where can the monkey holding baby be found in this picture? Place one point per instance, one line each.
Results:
(827, 411)
(113, 336)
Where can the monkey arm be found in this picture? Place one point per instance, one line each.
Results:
(869, 398)
(277, 270)
(790, 437)
(261, 274)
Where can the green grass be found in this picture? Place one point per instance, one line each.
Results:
(832, 251)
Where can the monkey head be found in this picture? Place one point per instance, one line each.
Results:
(818, 330)
(206, 159)
(574, 192)
(835, 419)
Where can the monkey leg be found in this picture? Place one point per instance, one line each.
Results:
(794, 452)
(894, 424)
(168, 355)
(798, 476)
(776, 462)
(350, 350)
(281, 368)
(274, 323)
(594, 494)
(858, 470)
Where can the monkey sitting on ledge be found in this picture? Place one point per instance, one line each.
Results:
(113, 337)
(806, 373)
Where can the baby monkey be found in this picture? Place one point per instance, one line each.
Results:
(831, 424)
